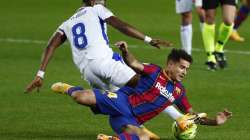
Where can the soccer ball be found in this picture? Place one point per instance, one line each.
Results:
(188, 134)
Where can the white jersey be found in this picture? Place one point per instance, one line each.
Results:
(86, 32)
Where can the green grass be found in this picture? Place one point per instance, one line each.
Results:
(46, 116)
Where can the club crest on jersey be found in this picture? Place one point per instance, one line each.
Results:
(177, 90)
(165, 92)
(112, 95)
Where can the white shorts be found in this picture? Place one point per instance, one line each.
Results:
(107, 74)
(198, 3)
(183, 6)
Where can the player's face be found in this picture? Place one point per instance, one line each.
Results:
(178, 70)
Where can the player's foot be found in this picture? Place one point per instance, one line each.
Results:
(221, 59)
(60, 87)
(151, 135)
(106, 137)
(211, 66)
(188, 120)
(236, 37)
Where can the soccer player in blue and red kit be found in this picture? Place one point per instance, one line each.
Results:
(152, 90)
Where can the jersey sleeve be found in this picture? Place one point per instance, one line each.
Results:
(182, 102)
(61, 29)
(102, 11)
(150, 68)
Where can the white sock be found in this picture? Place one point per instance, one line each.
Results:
(186, 38)
(173, 112)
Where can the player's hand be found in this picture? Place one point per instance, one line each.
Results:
(158, 43)
(36, 83)
(122, 45)
(222, 117)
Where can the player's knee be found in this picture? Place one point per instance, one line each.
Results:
(126, 136)
(209, 17)
(84, 97)
(186, 18)
(143, 135)
(228, 22)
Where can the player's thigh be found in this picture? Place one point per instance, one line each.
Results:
(111, 71)
(183, 6)
(228, 14)
(229, 2)
(120, 123)
(117, 72)
(95, 80)
(121, 73)
(111, 103)
(210, 4)
(84, 97)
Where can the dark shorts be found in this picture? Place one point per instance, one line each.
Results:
(213, 4)
(115, 105)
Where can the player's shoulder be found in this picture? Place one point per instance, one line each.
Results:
(151, 68)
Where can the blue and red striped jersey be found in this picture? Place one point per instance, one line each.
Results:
(153, 93)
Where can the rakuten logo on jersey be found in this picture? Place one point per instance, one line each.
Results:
(165, 92)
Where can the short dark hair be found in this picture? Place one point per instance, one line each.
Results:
(177, 54)
(86, 1)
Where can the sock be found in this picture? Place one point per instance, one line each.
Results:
(241, 16)
(208, 35)
(126, 136)
(173, 112)
(186, 38)
(224, 33)
(73, 89)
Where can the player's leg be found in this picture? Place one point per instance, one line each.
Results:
(208, 33)
(201, 12)
(122, 136)
(117, 72)
(184, 8)
(127, 127)
(242, 14)
(225, 30)
(81, 96)
(186, 32)
(92, 74)
(241, 17)
(109, 71)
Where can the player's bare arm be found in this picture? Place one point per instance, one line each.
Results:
(56, 40)
(220, 119)
(125, 27)
(133, 32)
(129, 58)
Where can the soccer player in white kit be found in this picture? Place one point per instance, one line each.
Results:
(184, 8)
(86, 32)
(98, 64)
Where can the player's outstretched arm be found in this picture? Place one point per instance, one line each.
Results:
(220, 119)
(133, 32)
(128, 57)
(56, 40)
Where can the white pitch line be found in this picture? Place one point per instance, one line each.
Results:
(27, 41)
